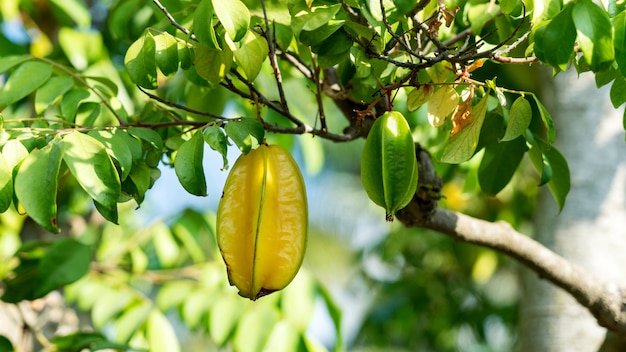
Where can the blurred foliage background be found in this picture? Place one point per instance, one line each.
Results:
(157, 281)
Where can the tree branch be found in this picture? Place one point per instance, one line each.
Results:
(605, 300)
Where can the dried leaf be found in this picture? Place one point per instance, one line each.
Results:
(462, 117)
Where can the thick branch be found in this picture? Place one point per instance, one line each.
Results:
(605, 300)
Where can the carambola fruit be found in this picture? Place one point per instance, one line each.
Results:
(388, 164)
(262, 221)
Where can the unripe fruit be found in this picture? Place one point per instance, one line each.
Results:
(262, 221)
(388, 164)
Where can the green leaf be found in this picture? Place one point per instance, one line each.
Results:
(6, 345)
(618, 92)
(184, 55)
(133, 318)
(461, 146)
(36, 184)
(24, 80)
(80, 341)
(224, 317)
(547, 120)
(284, 338)
(334, 49)
(120, 17)
(8, 62)
(108, 212)
(117, 147)
(317, 36)
(172, 294)
(619, 41)
(75, 10)
(554, 43)
(195, 307)
(140, 181)
(203, 24)
(50, 91)
(14, 152)
(234, 16)
(92, 167)
(140, 62)
(65, 261)
(508, 6)
(245, 133)
(82, 47)
(70, 102)
(109, 304)
(165, 247)
(499, 163)
(148, 135)
(254, 328)
(166, 53)
(554, 164)
(311, 18)
(479, 14)
(417, 97)
(335, 315)
(22, 284)
(160, 333)
(595, 34)
(298, 301)
(188, 165)
(6, 184)
(251, 55)
(520, 116)
(213, 64)
(217, 140)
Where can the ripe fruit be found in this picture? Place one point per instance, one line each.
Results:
(262, 221)
(388, 164)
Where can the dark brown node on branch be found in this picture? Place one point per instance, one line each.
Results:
(428, 193)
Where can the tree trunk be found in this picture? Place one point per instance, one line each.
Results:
(591, 229)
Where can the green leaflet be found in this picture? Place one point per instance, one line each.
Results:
(24, 80)
(212, 64)
(140, 62)
(251, 55)
(117, 147)
(50, 91)
(595, 34)
(554, 42)
(6, 184)
(92, 167)
(160, 333)
(499, 164)
(218, 141)
(245, 133)
(188, 165)
(388, 164)
(203, 24)
(65, 261)
(36, 184)
(554, 169)
(234, 16)
(520, 116)
(166, 52)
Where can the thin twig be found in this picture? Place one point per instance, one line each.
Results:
(399, 39)
(318, 92)
(273, 61)
(173, 21)
(179, 106)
